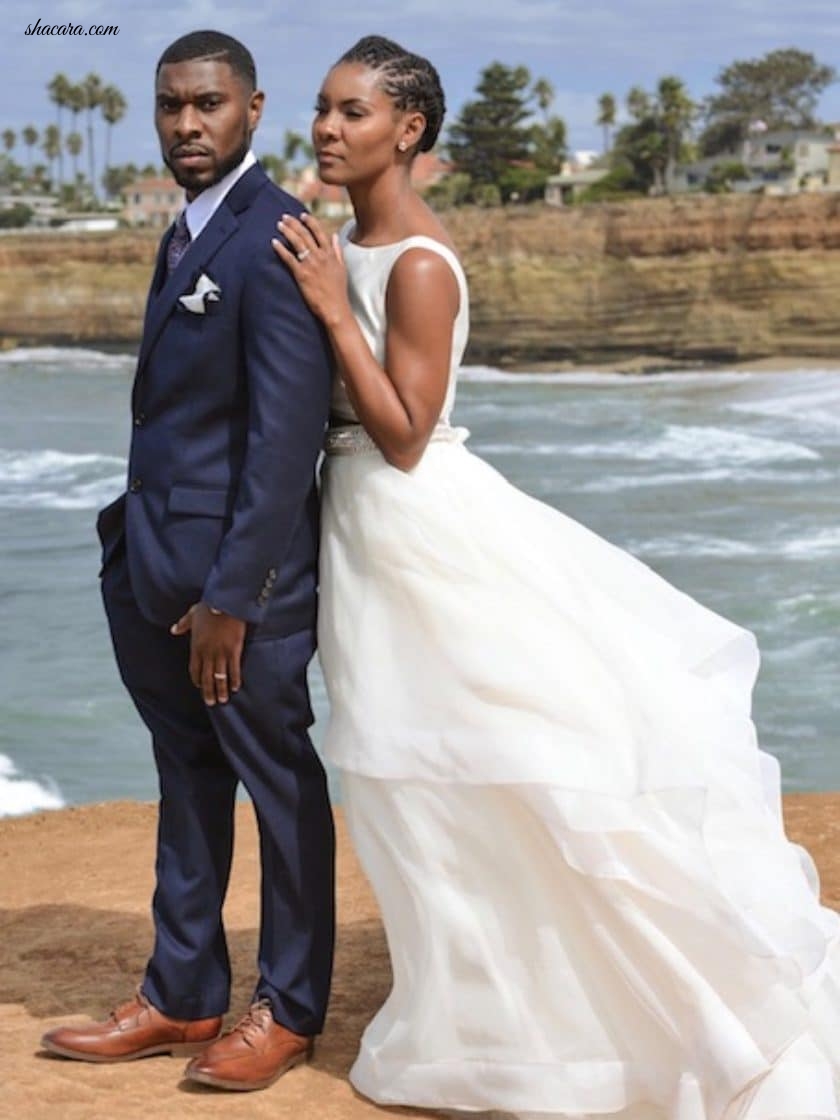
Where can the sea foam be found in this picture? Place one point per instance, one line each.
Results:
(810, 400)
(48, 479)
(706, 445)
(66, 358)
(603, 377)
(19, 795)
(822, 542)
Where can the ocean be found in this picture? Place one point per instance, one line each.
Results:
(726, 483)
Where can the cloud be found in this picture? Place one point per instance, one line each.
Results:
(584, 49)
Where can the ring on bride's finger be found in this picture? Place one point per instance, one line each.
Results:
(220, 676)
(303, 254)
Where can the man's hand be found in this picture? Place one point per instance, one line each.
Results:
(215, 651)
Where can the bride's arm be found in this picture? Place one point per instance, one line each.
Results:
(400, 404)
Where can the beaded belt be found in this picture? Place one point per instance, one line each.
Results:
(354, 440)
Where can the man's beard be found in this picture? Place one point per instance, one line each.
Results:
(191, 180)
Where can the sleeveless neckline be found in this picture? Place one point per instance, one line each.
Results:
(368, 272)
(402, 241)
(344, 234)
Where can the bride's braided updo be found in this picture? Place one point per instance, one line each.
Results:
(408, 79)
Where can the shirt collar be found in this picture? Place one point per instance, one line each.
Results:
(202, 208)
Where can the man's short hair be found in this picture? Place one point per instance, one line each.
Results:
(213, 45)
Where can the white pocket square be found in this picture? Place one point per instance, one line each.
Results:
(205, 291)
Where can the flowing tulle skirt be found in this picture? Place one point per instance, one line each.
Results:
(552, 779)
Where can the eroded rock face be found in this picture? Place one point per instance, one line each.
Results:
(696, 278)
(74, 288)
(722, 278)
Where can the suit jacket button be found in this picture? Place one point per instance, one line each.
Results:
(135, 485)
(139, 420)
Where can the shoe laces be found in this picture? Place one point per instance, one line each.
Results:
(131, 1005)
(252, 1026)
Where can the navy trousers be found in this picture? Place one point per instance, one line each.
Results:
(261, 739)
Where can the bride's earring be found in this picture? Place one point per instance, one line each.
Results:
(402, 145)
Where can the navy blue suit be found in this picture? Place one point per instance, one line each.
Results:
(229, 409)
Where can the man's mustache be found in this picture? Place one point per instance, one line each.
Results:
(187, 150)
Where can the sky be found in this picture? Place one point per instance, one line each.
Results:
(583, 47)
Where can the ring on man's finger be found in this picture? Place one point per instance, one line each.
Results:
(220, 676)
(303, 254)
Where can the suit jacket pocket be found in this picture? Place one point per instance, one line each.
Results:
(200, 502)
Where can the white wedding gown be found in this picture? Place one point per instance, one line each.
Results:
(552, 780)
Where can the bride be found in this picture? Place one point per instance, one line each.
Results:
(548, 762)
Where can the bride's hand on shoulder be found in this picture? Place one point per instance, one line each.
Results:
(315, 260)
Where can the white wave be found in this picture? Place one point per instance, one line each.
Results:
(603, 377)
(695, 444)
(808, 606)
(812, 397)
(691, 545)
(92, 495)
(19, 795)
(817, 650)
(489, 373)
(611, 484)
(48, 465)
(50, 479)
(66, 357)
(821, 543)
(525, 449)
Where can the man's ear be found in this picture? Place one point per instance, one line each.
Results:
(255, 107)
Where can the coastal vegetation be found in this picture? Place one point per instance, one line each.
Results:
(502, 146)
(668, 127)
(495, 145)
(50, 174)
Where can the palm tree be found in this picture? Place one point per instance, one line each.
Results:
(607, 110)
(73, 143)
(293, 142)
(75, 103)
(275, 167)
(30, 139)
(92, 88)
(543, 90)
(113, 106)
(51, 146)
(9, 138)
(116, 179)
(677, 111)
(59, 89)
(638, 103)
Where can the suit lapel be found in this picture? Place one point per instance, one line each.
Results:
(221, 226)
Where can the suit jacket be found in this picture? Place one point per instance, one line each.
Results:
(229, 409)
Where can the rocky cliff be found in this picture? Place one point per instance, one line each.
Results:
(724, 278)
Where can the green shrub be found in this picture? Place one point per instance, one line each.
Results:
(15, 217)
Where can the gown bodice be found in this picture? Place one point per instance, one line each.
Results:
(368, 272)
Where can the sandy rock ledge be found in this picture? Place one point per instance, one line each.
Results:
(74, 936)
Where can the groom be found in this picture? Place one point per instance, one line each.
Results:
(219, 529)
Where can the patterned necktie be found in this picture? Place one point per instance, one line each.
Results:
(179, 242)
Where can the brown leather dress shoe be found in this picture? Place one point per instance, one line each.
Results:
(134, 1030)
(252, 1055)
